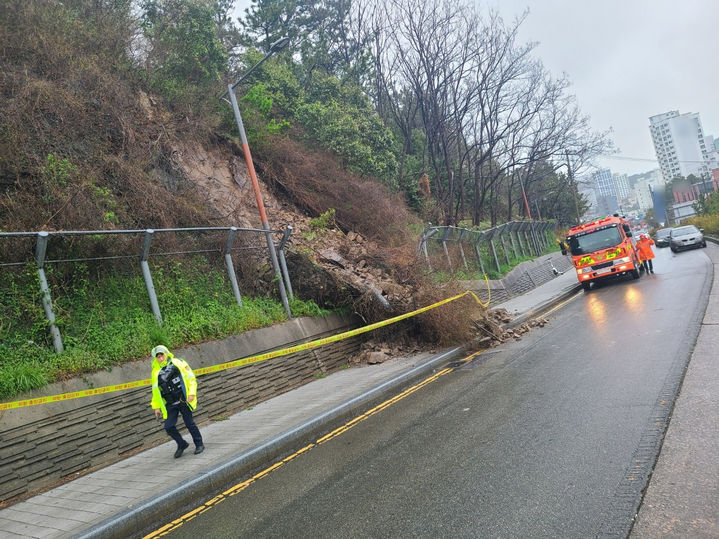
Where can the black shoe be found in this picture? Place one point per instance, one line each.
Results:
(199, 449)
(180, 449)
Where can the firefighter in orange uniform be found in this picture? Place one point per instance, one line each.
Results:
(645, 252)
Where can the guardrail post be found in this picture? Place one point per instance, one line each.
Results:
(540, 236)
(504, 248)
(148, 277)
(283, 262)
(40, 250)
(529, 243)
(427, 233)
(479, 256)
(231, 265)
(535, 238)
(496, 260)
(545, 239)
(521, 245)
(461, 251)
(514, 246)
(426, 255)
(444, 246)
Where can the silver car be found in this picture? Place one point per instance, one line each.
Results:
(686, 237)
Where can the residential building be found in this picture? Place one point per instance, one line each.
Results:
(644, 195)
(590, 195)
(603, 183)
(621, 186)
(680, 144)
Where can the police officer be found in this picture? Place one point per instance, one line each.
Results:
(174, 392)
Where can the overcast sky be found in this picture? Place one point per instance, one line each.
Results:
(627, 60)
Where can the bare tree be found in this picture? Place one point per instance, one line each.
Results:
(489, 111)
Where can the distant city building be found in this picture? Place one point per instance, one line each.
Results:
(607, 205)
(621, 186)
(590, 195)
(603, 183)
(712, 145)
(680, 144)
(685, 192)
(644, 195)
(603, 192)
(655, 177)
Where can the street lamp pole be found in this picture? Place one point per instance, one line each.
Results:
(524, 197)
(276, 46)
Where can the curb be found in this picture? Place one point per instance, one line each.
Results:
(145, 514)
(544, 307)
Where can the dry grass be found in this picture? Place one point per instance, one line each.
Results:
(316, 182)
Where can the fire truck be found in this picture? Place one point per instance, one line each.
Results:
(603, 249)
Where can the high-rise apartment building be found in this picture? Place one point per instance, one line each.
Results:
(679, 144)
(621, 186)
(604, 183)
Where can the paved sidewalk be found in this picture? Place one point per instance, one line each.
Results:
(682, 499)
(123, 499)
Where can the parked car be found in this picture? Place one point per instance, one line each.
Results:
(686, 237)
(661, 237)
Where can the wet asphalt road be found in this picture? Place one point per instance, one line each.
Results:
(537, 438)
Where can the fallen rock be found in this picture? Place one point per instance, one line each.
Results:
(333, 257)
(373, 358)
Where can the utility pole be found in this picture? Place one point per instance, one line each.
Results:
(574, 188)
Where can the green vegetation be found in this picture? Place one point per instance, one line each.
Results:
(710, 223)
(707, 214)
(325, 221)
(107, 321)
(186, 58)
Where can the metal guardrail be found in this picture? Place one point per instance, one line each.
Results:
(42, 239)
(526, 237)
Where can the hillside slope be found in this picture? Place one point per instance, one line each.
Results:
(86, 144)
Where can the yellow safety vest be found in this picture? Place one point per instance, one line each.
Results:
(188, 379)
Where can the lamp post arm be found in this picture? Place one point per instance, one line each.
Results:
(276, 46)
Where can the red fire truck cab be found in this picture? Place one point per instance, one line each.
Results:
(603, 249)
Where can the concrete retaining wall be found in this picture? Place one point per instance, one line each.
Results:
(44, 444)
(523, 278)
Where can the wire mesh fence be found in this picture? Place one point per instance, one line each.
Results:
(133, 249)
(453, 249)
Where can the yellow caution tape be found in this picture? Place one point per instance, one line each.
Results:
(73, 395)
(238, 363)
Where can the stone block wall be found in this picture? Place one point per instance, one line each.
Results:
(47, 443)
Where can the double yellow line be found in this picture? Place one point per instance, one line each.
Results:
(344, 428)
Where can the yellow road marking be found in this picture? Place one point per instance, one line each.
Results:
(560, 305)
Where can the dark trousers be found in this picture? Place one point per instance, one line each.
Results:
(172, 412)
(648, 265)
